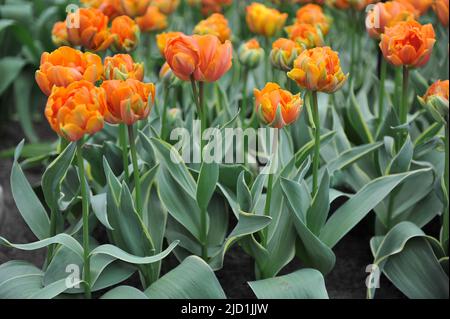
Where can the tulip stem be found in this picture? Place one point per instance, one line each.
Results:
(316, 160)
(85, 210)
(124, 147)
(267, 56)
(398, 84)
(137, 182)
(270, 186)
(403, 113)
(383, 72)
(244, 95)
(164, 115)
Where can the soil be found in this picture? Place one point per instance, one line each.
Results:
(346, 281)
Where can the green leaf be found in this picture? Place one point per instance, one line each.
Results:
(124, 292)
(192, 279)
(29, 205)
(402, 161)
(356, 208)
(19, 280)
(10, 68)
(302, 284)
(351, 156)
(22, 91)
(318, 212)
(207, 181)
(244, 197)
(98, 203)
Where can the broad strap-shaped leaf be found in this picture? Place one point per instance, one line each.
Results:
(192, 279)
(206, 185)
(124, 292)
(302, 284)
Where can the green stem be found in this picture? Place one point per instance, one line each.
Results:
(316, 159)
(124, 146)
(244, 95)
(404, 105)
(203, 114)
(204, 234)
(269, 189)
(137, 181)
(267, 60)
(383, 72)
(164, 115)
(398, 85)
(85, 210)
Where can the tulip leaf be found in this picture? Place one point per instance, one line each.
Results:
(124, 292)
(206, 185)
(10, 67)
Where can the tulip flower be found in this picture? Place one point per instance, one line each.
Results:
(440, 7)
(128, 101)
(276, 107)
(307, 35)
(318, 70)
(313, 14)
(126, 34)
(436, 100)
(265, 21)
(93, 33)
(216, 25)
(210, 6)
(422, 6)
(134, 8)
(65, 66)
(111, 8)
(250, 54)
(284, 52)
(166, 6)
(76, 110)
(60, 36)
(163, 38)
(122, 67)
(153, 20)
(387, 14)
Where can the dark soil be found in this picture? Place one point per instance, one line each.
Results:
(346, 281)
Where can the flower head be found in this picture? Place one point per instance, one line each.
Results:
(408, 43)
(284, 52)
(128, 101)
(153, 20)
(276, 107)
(59, 34)
(436, 100)
(440, 7)
(313, 14)
(422, 6)
(318, 69)
(265, 21)
(122, 67)
(66, 65)
(163, 38)
(110, 8)
(250, 54)
(134, 8)
(126, 34)
(307, 35)
(166, 6)
(216, 25)
(76, 110)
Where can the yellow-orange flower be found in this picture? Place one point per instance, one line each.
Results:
(422, 6)
(122, 67)
(216, 25)
(110, 8)
(436, 101)
(153, 20)
(199, 57)
(276, 107)
(440, 7)
(387, 14)
(166, 6)
(93, 33)
(163, 38)
(76, 110)
(59, 34)
(134, 8)
(265, 21)
(250, 54)
(284, 52)
(307, 35)
(128, 101)
(318, 69)
(313, 14)
(408, 43)
(126, 34)
(66, 65)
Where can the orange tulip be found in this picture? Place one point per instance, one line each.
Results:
(422, 6)
(216, 25)
(122, 67)
(250, 54)
(387, 14)
(211, 6)
(276, 107)
(59, 34)
(76, 110)
(318, 69)
(313, 14)
(128, 101)
(153, 20)
(440, 7)
(126, 34)
(134, 8)
(110, 8)
(199, 57)
(93, 33)
(307, 35)
(408, 43)
(163, 38)
(284, 52)
(265, 21)
(166, 6)
(66, 65)
(435, 101)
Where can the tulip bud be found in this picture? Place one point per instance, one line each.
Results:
(283, 54)
(250, 54)
(276, 107)
(435, 100)
(167, 77)
(166, 6)
(122, 67)
(126, 34)
(59, 34)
